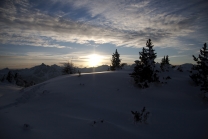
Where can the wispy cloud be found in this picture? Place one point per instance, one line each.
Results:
(172, 56)
(122, 23)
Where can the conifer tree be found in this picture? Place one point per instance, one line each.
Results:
(10, 77)
(167, 60)
(115, 61)
(144, 70)
(165, 63)
(162, 62)
(3, 78)
(200, 74)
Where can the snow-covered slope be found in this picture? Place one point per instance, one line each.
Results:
(99, 105)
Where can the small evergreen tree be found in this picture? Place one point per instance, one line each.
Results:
(200, 76)
(167, 60)
(68, 68)
(115, 61)
(10, 77)
(180, 68)
(3, 78)
(163, 61)
(165, 64)
(144, 70)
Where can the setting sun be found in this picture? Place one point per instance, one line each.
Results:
(94, 60)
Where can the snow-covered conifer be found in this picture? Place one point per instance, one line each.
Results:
(144, 70)
(200, 70)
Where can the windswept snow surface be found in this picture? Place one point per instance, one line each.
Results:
(99, 105)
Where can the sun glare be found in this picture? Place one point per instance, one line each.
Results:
(94, 60)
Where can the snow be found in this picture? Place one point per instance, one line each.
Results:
(8, 94)
(74, 107)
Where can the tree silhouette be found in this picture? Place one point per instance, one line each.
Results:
(200, 76)
(167, 60)
(68, 68)
(165, 63)
(115, 61)
(10, 77)
(144, 70)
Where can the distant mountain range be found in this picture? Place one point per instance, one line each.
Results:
(45, 72)
(35, 74)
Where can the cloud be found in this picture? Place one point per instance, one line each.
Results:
(173, 56)
(122, 23)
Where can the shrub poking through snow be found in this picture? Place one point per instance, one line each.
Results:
(26, 126)
(200, 71)
(79, 73)
(81, 84)
(95, 122)
(180, 69)
(164, 80)
(140, 117)
(144, 70)
(168, 77)
(45, 92)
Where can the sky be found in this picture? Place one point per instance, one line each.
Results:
(87, 32)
